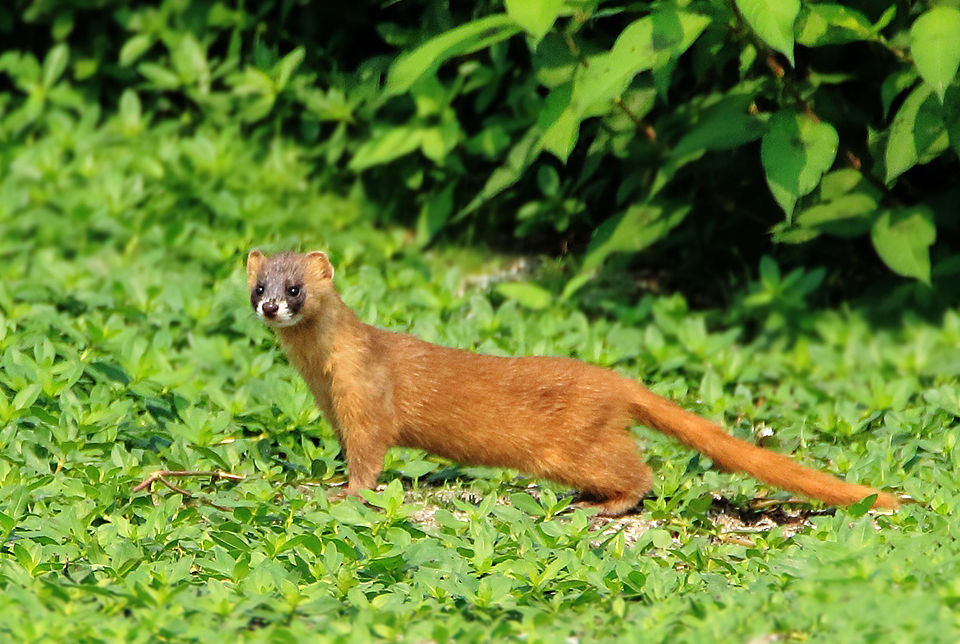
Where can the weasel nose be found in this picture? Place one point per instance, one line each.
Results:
(270, 309)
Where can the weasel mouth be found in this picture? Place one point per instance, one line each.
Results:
(281, 323)
(276, 315)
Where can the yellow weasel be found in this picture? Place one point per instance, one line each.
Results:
(554, 418)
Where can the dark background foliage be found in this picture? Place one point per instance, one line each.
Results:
(663, 179)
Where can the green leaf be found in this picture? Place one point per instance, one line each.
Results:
(726, 124)
(536, 17)
(935, 46)
(918, 133)
(903, 237)
(711, 388)
(130, 112)
(839, 182)
(549, 181)
(895, 84)
(769, 271)
(526, 503)
(387, 146)
(231, 541)
(847, 216)
(434, 214)
(832, 24)
(415, 469)
(773, 21)
(7, 524)
(309, 541)
(475, 35)
(54, 64)
(796, 151)
(673, 32)
(862, 506)
(389, 499)
(661, 539)
(885, 19)
(251, 81)
(16, 503)
(190, 60)
(62, 26)
(349, 511)
(258, 108)
(288, 65)
(437, 142)
(523, 153)
(211, 455)
(953, 128)
(562, 135)
(112, 371)
(160, 76)
(528, 294)
(134, 48)
(26, 396)
(601, 80)
(634, 229)
(575, 284)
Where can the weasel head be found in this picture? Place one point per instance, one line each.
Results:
(288, 288)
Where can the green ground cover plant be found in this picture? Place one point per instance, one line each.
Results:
(128, 347)
(137, 172)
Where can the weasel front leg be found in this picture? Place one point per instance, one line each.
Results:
(365, 436)
(364, 454)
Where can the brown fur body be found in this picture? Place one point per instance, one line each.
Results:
(554, 418)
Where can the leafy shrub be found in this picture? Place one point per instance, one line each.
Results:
(851, 106)
(599, 127)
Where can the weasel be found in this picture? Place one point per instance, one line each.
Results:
(553, 418)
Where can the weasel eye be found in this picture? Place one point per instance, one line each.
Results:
(258, 289)
(293, 291)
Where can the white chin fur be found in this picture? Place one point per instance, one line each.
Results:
(284, 317)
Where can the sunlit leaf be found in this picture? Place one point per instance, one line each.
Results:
(903, 238)
(526, 293)
(130, 112)
(288, 65)
(536, 17)
(600, 81)
(134, 48)
(478, 34)
(935, 46)
(832, 24)
(634, 229)
(54, 64)
(391, 144)
(796, 151)
(918, 132)
(773, 21)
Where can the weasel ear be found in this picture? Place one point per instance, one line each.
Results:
(319, 262)
(254, 260)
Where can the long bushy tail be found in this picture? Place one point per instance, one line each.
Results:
(735, 455)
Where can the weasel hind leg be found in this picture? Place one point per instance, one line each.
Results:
(618, 504)
(616, 479)
(613, 503)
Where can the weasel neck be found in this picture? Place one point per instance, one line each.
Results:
(312, 343)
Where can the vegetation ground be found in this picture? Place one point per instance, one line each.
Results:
(128, 347)
(136, 172)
